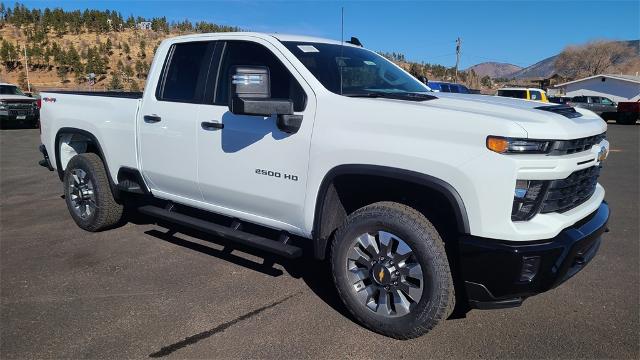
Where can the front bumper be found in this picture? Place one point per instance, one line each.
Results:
(13, 119)
(495, 271)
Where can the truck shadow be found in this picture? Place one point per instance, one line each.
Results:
(315, 274)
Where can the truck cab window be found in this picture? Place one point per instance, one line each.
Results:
(283, 84)
(185, 72)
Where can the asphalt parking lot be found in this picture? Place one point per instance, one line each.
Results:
(138, 291)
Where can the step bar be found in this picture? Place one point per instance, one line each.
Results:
(233, 234)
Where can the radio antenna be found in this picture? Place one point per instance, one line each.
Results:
(341, 46)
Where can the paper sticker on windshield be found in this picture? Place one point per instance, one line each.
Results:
(308, 48)
(369, 62)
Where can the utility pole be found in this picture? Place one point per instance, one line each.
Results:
(26, 68)
(458, 46)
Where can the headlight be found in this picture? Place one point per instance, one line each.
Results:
(527, 197)
(504, 145)
(3, 105)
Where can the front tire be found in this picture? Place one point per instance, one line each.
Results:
(390, 269)
(88, 194)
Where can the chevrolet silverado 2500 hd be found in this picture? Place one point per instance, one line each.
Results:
(419, 199)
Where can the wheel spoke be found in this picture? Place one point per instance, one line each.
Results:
(359, 257)
(368, 242)
(413, 292)
(400, 302)
(413, 270)
(357, 275)
(386, 243)
(384, 307)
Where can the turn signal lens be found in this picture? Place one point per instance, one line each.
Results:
(497, 144)
(504, 145)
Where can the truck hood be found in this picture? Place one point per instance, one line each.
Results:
(16, 97)
(538, 124)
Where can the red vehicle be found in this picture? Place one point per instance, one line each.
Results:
(628, 112)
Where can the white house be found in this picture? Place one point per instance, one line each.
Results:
(143, 25)
(615, 87)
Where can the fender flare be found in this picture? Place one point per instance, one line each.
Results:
(94, 140)
(449, 192)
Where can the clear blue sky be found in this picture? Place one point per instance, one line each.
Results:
(518, 32)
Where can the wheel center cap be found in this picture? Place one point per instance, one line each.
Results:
(381, 274)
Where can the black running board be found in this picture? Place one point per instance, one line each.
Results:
(228, 233)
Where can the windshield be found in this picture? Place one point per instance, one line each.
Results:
(353, 71)
(10, 90)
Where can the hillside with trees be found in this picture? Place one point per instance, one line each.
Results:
(103, 50)
(88, 49)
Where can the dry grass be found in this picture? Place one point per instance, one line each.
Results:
(48, 79)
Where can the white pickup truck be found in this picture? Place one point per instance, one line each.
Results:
(420, 200)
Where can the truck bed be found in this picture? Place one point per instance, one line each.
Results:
(115, 94)
(108, 116)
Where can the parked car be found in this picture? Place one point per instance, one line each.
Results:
(440, 86)
(281, 142)
(16, 108)
(602, 106)
(628, 112)
(559, 99)
(524, 93)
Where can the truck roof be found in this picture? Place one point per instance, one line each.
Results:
(281, 37)
(521, 88)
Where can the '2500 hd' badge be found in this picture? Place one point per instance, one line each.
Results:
(277, 174)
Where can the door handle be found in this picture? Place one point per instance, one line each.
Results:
(150, 119)
(212, 125)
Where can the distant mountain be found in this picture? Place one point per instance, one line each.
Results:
(545, 68)
(494, 69)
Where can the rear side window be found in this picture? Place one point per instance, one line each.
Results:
(518, 94)
(283, 84)
(595, 100)
(580, 99)
(185, 72)
(535, 95)
(445, 88)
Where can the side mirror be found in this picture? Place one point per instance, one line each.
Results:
(250, 94)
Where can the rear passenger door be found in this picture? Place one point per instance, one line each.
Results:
(247, 167)
(167, 123)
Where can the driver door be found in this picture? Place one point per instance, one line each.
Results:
(247, 167)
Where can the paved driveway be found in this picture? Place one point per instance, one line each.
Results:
(137, 292)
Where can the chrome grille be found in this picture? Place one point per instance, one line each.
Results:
(564, 195)
(565, 147)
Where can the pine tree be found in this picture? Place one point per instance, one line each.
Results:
(115, 83)
(134, 87)
(22, 80)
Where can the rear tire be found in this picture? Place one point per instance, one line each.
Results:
(88, 194)
(401, 286)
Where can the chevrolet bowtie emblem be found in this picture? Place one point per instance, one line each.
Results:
(381, 274)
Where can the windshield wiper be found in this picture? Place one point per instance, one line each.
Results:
(411, 96)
